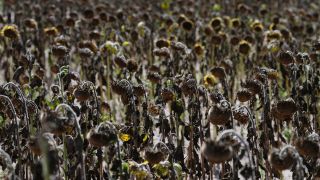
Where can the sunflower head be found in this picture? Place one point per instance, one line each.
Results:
(10, 31)
(235, 23)
(198, 49)
(187, 25)
(216, 23)
(162, 43)
(273, 35)
(257, 26)
(90, 45)
(244, 47)
(51, 31)
(31, 23)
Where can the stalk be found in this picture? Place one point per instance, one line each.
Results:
(8, 162)
(65, 156)
(191, 143)
(7, 99)
(44, 160)
(79, 138)
(255, 161)
(108, 79)
(119, 156)
(93, 88)
(18, 90)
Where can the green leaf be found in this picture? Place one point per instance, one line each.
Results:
(177, 167)
(2, 121)
(145, 138)
(105, 117)
(35, 93)
(162, 169)
(64, 70)
(126, 43)
(165, 5)
(178, 170)
(125, 167)
(52, 104)
(216, 7)
(27, 90)
(112, 47)
(287, 134)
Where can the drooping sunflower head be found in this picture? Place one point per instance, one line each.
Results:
(244, 47)
(209, 80)
(216, 23)
(10, 31)
(187, 25)
(51, 31)
(198, 49)
(257, 26)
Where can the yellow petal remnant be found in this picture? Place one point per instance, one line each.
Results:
(125, 137)
(198, 49)
(145, 138)
(165, 5)
(10, 31)
(51, 31)
(209, 80)
(126, 43)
